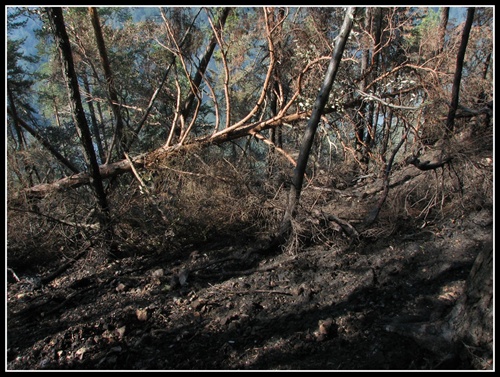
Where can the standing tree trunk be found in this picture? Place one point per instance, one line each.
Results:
(458, 70)
(365, 117)
(443, 23)
(312, 125)
(188, 103)
(93, 119)
(375, 28)
(120, 139)
(62, 41)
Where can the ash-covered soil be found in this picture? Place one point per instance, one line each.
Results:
(222, 305)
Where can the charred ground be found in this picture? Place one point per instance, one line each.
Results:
(201, 295)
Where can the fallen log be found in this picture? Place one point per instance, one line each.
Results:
(149, 159)
(76, 180)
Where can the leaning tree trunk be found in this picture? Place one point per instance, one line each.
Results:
(63, 45)
(450, 121)
(195, 82)
(120, 137)
(109, 171)
(312, 125)
(36, 134)
(204, 62)
(443, 23)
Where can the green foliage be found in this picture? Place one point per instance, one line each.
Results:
(423, 25)
(19, 80)
(17, 75)
(15, 19)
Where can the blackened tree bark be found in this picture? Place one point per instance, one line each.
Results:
(93, 119)
(443, 23)
(62, 41)
(312, 125)
(188, 103)
(450, 121)
(120, 139)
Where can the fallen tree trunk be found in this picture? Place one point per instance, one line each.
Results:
(76, 180)
(114, 169)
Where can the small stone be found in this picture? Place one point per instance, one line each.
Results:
(120, 331)
(183, 275)
(325, 326)
(298, 291)
(44, 364)
(158, 273)
(320, 337)
(197, 304)
(174, 282)
(80, 352)
(142, 314)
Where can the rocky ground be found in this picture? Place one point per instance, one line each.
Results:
(220, 305)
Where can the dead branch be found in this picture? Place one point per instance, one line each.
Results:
(47, 279)
(346, 227)
(276, 148)
(371, 97)
(112, 170)
(145, 189)
(427, 165)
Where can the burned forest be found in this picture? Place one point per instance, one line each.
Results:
(249, 188)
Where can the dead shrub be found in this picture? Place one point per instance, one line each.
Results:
(42, 232)
(196, 198)
(463, 185)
